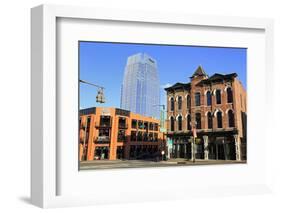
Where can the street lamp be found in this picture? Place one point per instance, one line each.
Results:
(100, 98)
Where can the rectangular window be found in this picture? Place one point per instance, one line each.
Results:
(134, 124)
(88, 123)
(104, 136)
(139, 137)
(218, 96)
(197, 99)
(140, 125)
(188, 102)
(121, 136)
(150, 137)
(105, 121)
(209, 99)
(172, 104)
(188, 122)
(155, 137)
(219, 119)
(133, 135)
(150, 126)
(210, 121)
(122, 123)
(179, 103)
(229, 95)
(198, 120)
(145, 136)
(145, 125)
(104, 132)
(156, 127)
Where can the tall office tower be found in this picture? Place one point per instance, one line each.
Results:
(140, 90)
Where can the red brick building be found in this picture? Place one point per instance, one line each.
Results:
(216, 106)
(112, 133)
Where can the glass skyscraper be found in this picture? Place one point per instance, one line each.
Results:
(140, 90)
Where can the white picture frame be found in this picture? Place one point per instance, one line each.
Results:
(48, 169)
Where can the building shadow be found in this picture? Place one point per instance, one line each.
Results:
(25, 199)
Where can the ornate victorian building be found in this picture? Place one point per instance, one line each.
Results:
(217, 107)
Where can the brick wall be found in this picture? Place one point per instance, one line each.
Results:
(238, 105)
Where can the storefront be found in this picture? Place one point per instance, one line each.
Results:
(182, 148)
(144, 151)
(120, 152)
(101, 153)
(208, 146)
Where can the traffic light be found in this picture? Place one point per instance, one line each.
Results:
(100, 96)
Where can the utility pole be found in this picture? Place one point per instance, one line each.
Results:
(99, 99)
(84, 141)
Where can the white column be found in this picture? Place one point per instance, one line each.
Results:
(169, 149)
(184, 147)
(237, 147)
(192, 148)
(178, 150)
(206, 148)
(224, 149)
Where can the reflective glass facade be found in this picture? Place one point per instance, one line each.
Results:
(140, 91)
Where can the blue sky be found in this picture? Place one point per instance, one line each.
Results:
(104, 64)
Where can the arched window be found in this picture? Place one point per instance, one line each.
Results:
(197, 99)
(230, 118)
(188, 102)
(219, 119)
(210, 120)
(188, 122)
(172, 123)
(218, 96)
(180, 123)
(209, 98)
(172, 104)
(179, 102)
(198, 120)
(229, 95)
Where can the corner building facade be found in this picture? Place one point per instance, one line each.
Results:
(112, 133)
(217, 107)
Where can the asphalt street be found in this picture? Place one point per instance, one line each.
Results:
(116, 164)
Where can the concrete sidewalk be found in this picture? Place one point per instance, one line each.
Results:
(112, 164)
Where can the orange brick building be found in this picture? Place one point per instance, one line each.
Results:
(217, 107)
(112, 133)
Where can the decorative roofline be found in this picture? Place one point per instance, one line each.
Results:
(199, 71)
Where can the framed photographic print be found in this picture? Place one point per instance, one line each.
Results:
(146, 105)
(149, 119)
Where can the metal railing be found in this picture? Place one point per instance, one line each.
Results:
(103, 124)
(103, 139)
(122, 126)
